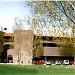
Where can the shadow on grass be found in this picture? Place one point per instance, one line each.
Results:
(36, 70)
(17, 70)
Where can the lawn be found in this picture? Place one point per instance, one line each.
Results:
(6, 69)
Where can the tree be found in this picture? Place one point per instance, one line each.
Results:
(1, 45)
(55, 10)
(37, 46)
(59, 14)
(23, 42)
(18, 27)
(66, 45)
(1, 41)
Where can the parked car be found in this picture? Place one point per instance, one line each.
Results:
(66, 62)
(71, 62)
(41, 62)
(58, 62)
(48, 63)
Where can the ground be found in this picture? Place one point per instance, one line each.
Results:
(6, 69)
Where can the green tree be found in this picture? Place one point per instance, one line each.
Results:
(66, 45)
(37, 46)
(55, 10)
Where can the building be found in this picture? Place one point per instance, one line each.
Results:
(53, 52)
(8, 46)
(23, 47)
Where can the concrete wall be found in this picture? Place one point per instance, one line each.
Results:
(56, 51)
(23, 45)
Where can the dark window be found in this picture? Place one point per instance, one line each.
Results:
(49, 44)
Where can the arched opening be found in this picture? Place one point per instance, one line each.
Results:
(4, 52)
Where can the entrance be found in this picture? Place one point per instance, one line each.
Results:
(10, 58)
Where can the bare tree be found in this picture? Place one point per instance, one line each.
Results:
(23, 41)
(17, 36)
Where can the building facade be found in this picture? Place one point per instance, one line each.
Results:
(23, 48)
(54, 52)
(7, 43)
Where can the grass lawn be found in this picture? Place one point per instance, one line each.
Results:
(6, 69)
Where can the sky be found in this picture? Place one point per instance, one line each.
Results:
(9, 10)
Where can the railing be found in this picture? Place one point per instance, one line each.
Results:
(8, 43)
(8, 40)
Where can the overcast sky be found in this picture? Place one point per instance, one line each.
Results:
(11, 9)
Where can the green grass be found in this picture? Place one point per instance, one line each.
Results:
(6, 69)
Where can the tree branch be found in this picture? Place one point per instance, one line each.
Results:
(66, 14)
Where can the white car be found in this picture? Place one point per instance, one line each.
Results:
(48, 63)
(66, 62)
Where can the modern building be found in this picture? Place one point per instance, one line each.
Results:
(53, 52)
(8, 46)
(23, 47)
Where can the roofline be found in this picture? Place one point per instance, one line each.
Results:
(8, 34)
(54, 36)
(12, 34)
